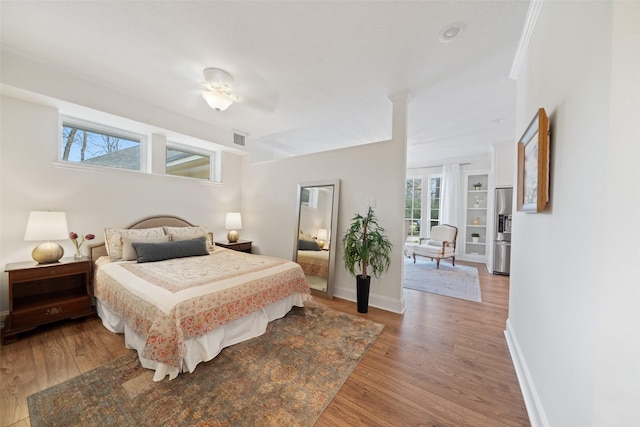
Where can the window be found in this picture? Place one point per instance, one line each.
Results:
(413, 208)
(181, 162)
(309, 197)
(88, 145)
(435, 199)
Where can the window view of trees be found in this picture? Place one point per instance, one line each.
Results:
(86, 146)
(413, 208)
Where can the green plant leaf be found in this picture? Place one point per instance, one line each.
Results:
(366, 248)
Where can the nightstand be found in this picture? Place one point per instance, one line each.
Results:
(45, 293)
(240, 245)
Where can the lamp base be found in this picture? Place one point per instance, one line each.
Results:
(233, 236)
(48, 252)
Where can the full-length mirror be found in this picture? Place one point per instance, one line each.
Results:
(316, 234)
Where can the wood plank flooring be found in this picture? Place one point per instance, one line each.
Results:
(443, 363)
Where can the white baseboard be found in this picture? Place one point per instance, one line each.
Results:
(537, 416)
(385, 303)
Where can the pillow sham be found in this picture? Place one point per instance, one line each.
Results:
(151, 252)
(129, 253)
(113, 238)
(182, 233)
(308, 245)
(307, 237)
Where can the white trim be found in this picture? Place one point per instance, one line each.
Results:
(378, 301)
(535, 7)
(537, 416)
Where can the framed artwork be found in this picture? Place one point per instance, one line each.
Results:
(533, 165)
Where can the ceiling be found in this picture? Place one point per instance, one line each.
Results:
(311, 75)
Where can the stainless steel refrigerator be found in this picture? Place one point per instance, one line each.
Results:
(502, 238)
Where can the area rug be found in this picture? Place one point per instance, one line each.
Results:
(285, 377)
(460, 281)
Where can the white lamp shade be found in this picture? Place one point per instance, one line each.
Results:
(323, 234)
(233, 221)
(217, 100)
(46, 226)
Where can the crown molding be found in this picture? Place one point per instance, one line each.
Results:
(535, 7)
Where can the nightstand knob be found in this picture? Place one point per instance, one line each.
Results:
(53, 311)
(52, 272)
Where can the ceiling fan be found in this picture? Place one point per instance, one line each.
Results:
(217, 89)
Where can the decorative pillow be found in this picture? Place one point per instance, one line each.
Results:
(113, 238)
(435, 243)
(182, 233)
(150, 252)
(129, 253)
(307, 237)
(308, 245)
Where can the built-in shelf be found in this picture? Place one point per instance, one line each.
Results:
(476, 202)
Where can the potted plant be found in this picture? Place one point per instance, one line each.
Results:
(477, 186)
(475, 237)
(366, 252)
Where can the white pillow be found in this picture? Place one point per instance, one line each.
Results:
(186, 233)
(113, 238)
(129, 253)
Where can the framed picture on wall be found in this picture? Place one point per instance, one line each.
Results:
(533, 165)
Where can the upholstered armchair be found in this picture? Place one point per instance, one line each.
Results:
(441, 244)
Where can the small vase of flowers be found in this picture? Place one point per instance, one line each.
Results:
(74, 238)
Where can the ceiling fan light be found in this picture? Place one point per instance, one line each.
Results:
(217, 100)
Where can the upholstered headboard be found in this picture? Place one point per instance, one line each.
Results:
(99, 249)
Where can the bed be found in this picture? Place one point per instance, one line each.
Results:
(314, 262)
(181, 300)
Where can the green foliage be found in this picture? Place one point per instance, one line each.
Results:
(475, 235)
(366, 248)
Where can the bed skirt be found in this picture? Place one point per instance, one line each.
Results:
(206, 347)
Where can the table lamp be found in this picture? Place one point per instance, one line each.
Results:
(233, 224)
(47, 226)
(322, 236)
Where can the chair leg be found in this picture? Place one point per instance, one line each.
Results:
(438, 264)
(414, 258)
(454, 261)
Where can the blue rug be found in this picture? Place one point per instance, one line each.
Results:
(460, 281)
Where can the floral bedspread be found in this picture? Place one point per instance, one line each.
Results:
(170, 301)
(314, 262)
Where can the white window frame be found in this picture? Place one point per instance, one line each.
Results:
(214, 166)
(105, 129)
(428, 204)
(422, 199)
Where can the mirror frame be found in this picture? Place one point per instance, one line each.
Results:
(335, 183)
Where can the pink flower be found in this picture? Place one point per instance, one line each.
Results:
(74, 238)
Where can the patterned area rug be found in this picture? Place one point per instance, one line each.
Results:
(285, 377)
(460, 281)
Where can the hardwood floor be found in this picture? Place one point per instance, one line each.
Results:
(443, 363)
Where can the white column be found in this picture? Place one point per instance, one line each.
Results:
(158, 155)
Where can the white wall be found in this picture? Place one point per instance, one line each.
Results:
(30, 180)
(503, 164)
(573, 313)
(366, 171)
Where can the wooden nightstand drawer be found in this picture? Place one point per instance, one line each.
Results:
(28, 318)
(55, 270)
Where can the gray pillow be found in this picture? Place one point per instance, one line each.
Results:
(308, 245)
(150, 252)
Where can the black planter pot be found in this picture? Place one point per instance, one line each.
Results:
(363, 285)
